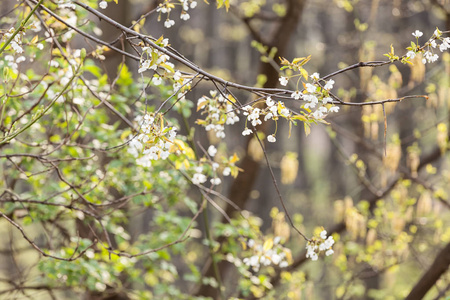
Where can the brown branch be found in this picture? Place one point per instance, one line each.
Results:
(361, 64)
(278, 40)
(33, 244)
(429, 278)
(37, 202)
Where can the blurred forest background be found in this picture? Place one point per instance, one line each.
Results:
(385, 199)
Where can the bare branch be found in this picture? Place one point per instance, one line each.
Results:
(429, 278)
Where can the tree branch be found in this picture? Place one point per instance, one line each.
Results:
(429, 278)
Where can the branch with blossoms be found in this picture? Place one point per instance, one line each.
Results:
(311, 92)
(163, 52)
(156, 139)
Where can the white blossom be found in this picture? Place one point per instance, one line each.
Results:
(254, 116)
(16, 47)
(20, 59)
(156, 80)
(320, 112)
(144, 66)
(177, 75)
(268, 116)
(215, 181)
(296, 95)
(411, 54)
(198, 178)
(334, 109)
(327, 100)
(226, 171)
(310, 88)
(283, 81)
(36, 26)
(284, 264)
(246, 132)
(246, 110)
(274, 110)
(231, 118)
(201, 101)
(329, 85)
(169, 23)
(417, 33)
(329, 242)
(312, 99)
(437, 33)
(429, 57)
(276, 259)
(212, 150)
(103, 4)
(271, 138)
(315, 76)
(270, 102)
(444, 46)
(285, 112)
(314, 247)
(185, 16)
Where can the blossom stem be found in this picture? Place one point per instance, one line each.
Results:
(22, 25)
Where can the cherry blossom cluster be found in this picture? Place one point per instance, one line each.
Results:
(156, 141)
(199, 177)
(269, 253)
(428, 55)
(152, 58)
(13, 62)
(167, 6)
(211, 166)
(219, 110)
(317, 245)
(16, 43)
(272, 111)
(316, 96)
(153, 142)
